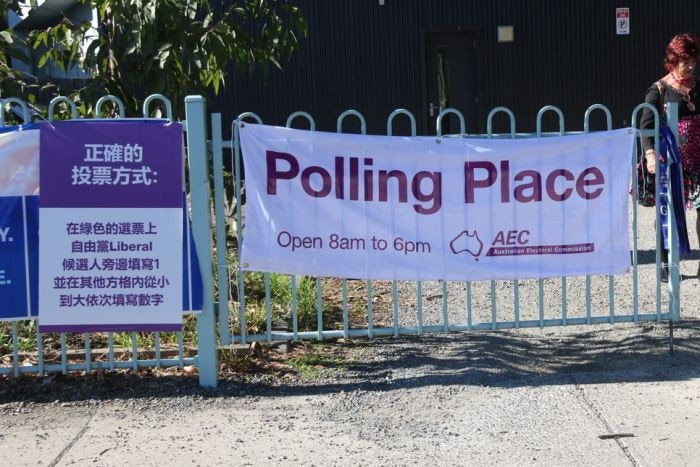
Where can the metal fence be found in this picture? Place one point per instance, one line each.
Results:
(411, 308)
(65, 352)
(290, 308)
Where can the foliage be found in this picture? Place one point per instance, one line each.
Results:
(280, 300)
(12, 83)
(26, 336)
(25, 339)
(169, 47)
(306, 303)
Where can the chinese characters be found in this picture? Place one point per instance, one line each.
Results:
(133, 279)
(113, 164)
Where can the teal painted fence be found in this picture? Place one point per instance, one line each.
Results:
(408, 308)
(234, 317)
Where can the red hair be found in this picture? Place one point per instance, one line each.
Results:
(682, 47)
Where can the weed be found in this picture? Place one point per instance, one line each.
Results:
(5, 343)
(26, 340)
(307, 308)
(313, 365)
(275, 294)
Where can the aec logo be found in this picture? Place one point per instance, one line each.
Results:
(469, 242)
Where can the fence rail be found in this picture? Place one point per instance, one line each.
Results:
(295, 308)
(408, 312)
(35, 353)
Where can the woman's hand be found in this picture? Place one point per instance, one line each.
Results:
(650, 157)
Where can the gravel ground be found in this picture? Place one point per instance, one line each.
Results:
(580, 395)
(532, 397)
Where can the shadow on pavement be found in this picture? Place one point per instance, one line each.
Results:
(533, 357)
(649, 256)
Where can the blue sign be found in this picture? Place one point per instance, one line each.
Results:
(19, 264)
(669, 148)
(192, 288)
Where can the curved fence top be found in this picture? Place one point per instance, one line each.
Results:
(394, 114)
(105, 99)
(62, 100)
(355, 113)
(589, 111)
(301, 114)
(550, 108)
(26, 116)
(158, 98)
(447, 111)
(500, 109)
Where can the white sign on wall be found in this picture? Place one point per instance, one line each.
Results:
(622, 20)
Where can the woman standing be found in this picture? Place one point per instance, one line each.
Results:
(679, 85)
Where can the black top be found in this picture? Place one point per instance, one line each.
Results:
(671, 94)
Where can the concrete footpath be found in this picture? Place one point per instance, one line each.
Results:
(604, 396)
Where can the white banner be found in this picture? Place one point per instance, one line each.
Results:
(19, 163)
(427, 208)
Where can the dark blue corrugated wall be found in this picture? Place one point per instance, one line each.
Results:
(365, 56)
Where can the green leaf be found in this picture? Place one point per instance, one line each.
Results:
(208, 20)
(41, 39)
(6, 36)
(44, 58)
(163, 58)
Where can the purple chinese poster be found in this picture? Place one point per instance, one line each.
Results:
(110, 226)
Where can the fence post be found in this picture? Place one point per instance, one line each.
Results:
(195, 111)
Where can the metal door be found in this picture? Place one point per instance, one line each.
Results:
(450, 79)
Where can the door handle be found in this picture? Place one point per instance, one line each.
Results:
(432, 108)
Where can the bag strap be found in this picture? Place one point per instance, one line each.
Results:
(661, 85)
